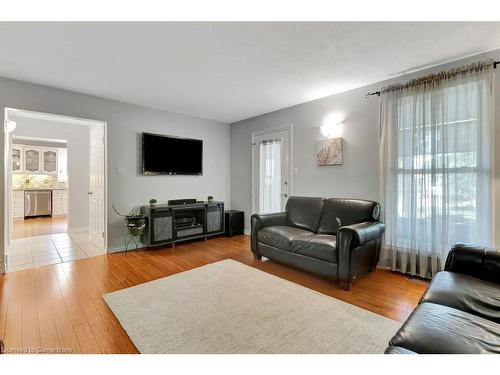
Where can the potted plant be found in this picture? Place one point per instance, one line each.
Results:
(134, 221)
(152, 202)
(210, 198)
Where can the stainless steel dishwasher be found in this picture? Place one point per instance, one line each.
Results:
(37, 203)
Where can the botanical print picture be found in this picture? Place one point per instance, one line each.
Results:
(330, 152)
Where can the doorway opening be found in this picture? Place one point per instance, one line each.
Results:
(271, 169)
(55, 188)
(39, 185)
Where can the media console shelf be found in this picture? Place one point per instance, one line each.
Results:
(168, 224)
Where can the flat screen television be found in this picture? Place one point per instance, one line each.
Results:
(163, 154)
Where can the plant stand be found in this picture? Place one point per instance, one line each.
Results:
(135, 229)
(131, 239)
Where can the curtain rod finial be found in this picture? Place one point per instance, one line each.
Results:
(372, 93)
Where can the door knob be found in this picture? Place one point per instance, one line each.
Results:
(89, 193)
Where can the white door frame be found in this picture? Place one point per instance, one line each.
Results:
(288, 128)
(8, 161)
(7, 202)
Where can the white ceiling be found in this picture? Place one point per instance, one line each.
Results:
(229, 71)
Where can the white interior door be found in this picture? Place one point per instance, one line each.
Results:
(271, 170)
(96, 185)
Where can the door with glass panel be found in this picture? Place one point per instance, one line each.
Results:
(271, 170)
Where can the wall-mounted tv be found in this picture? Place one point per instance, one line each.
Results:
(163, 154)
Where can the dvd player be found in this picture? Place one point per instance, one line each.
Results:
(175, 202)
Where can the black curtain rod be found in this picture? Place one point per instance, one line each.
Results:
(495, 63)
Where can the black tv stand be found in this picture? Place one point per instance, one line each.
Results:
(172, 223)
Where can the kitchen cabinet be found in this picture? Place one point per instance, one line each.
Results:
(59, 202)
(37, 160)
(18, 204)
(49, 161)
(32, 159)
(17, 159)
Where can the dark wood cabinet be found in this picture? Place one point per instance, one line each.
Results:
(168, 224)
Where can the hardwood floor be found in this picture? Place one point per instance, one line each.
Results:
(59, 308)
(39, 226)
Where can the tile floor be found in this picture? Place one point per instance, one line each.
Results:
(40, 251)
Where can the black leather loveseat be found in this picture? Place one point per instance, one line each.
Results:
(460, 311)
(336, 238)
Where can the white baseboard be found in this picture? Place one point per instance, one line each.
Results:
(116, 249)
(78, 229)
(121, 249)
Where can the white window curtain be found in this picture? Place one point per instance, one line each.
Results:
(436, 167)
(270, 176)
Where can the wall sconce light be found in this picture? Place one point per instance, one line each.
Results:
(10, 126)
(332, 127)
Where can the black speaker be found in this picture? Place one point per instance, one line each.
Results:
(235, 222)
(174, 202)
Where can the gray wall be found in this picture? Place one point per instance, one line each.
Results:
(125, 122)
(78, 138)
(358, 177)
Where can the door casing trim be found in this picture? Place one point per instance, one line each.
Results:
(8, 174)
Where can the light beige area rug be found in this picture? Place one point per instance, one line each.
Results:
(228, 307)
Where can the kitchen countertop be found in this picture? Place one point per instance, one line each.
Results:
(41, 188)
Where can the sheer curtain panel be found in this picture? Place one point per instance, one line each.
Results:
(270, 176)
(436, 167)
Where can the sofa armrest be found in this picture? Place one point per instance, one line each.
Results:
(474, 261)
(363, 232)
(350, 237)
(259, 221)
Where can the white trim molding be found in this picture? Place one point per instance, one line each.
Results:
(8, 175)
(78, 229)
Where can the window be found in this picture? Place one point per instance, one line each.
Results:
(437, 170)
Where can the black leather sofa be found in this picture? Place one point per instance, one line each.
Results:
(336, 238)
(460, 311)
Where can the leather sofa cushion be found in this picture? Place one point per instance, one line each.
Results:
(280, 236)
(304, 212)
(319, 246)
(475, 261)
(437, 329)
(341, 211)
(397, 350)
(465, 293)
